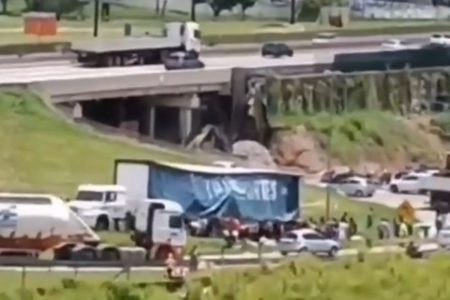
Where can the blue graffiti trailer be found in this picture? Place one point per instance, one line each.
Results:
(213, 190)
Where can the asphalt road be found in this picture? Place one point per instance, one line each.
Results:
(273, 257)
(419, 202)
(19, 73)
(241, 49)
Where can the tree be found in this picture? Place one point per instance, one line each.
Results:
(218, 6)
(293, 17)
(4, 7)
(245, 4)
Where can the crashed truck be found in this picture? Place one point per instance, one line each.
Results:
(204, 191)
(33, 224)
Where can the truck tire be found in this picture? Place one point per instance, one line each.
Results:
(109, 254)
(102, 223)
(130, 221)
(192, 54)
(83, 254)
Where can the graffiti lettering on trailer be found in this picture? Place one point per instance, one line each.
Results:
(8, 219)
(262, 190)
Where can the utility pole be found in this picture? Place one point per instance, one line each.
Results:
(96, 12)
(328, 190)
(193, 16)
(293, 14)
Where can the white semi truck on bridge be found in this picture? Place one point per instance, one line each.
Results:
(177, 38)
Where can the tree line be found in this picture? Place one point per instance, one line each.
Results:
(61, 7)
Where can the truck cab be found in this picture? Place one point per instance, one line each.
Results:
(100, 206)
(187, 33)
(160, 227)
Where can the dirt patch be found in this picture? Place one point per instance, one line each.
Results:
(366, 141)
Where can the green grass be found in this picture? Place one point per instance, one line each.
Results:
(32, 280)
(366, 136)
(371, 278)
(41, 152)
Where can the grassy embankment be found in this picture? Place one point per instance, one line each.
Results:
(378, 277)
(370, 136)
(42, 153)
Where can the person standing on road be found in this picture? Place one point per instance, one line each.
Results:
(193, 259)
(370, 217)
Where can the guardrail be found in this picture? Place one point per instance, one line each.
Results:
(35, 262)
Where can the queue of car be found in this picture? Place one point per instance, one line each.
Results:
(355, 185)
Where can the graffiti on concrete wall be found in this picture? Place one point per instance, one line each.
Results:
(382, 9)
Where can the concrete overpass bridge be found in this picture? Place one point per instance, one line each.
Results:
(71, 85)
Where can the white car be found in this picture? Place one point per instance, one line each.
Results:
(443, 238)
(438, 38)
(409, 183)
(324, 38)
(356, 186)
(307, 240)
(394, 44)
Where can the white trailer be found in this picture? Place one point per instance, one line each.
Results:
(178, 37)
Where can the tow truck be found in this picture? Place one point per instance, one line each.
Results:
(177, 37)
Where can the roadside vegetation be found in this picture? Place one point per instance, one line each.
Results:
(371, 136)
(371, 278)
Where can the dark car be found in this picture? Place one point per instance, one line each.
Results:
(181, 60)
(276, 50)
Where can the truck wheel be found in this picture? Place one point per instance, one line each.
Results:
(102, 223)
(110, 254)
(84, 254)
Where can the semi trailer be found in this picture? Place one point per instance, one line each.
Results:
(33, 224)
(177, 37)
(206, 191)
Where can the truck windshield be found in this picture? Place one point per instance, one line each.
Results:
(197, 34)
(175, 222)
(89, 196)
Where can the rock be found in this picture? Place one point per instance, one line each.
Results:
(257, 154)
(341, 169)
(299, 149)
(310, 162)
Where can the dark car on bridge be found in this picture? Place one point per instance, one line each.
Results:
(182, 60)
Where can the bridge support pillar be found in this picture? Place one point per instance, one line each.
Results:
(185, 116)
(77, 111)
(151, 121)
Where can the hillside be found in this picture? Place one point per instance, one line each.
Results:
(357, 139)
(40, 152)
